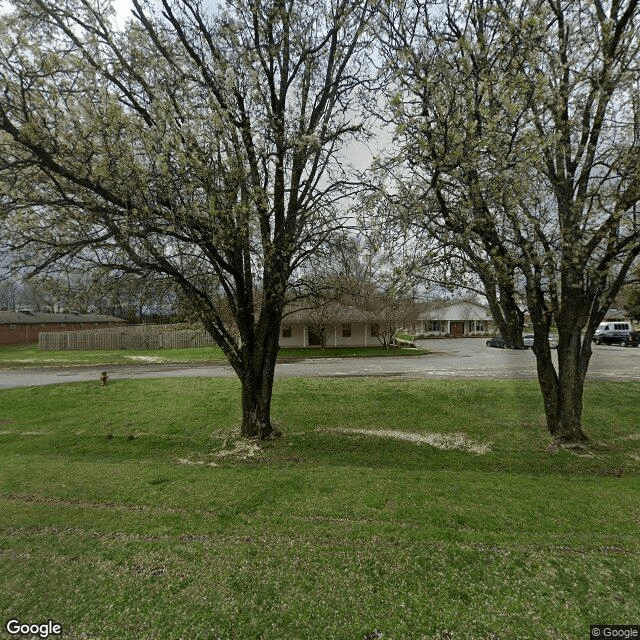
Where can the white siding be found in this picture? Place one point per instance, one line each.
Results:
(297, 338)
(439, 321)
(360, 336)
(357, 338)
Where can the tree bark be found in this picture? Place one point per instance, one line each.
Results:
(562, 389)
(256, 406)
(257, 386)
(511, 332)
(562, 393)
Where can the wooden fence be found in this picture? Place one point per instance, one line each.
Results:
(132, 337)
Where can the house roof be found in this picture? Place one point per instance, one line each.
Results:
(616, 314)
(36, 317)
(334, 313)
(460, 309)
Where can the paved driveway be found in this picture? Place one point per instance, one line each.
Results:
(449, 358)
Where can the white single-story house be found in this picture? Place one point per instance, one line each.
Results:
(343, 334)
(344, 327)
(456, 318)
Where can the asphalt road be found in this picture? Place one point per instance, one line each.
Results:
(454, 358)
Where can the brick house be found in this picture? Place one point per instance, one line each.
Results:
(24, 326)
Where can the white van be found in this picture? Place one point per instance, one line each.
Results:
(613, 333)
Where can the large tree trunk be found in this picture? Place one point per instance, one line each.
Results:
(256, 376)
(562, 395)
(511, 333)
(256, 406)
(253, 358)
(562, 389)
(573, 361)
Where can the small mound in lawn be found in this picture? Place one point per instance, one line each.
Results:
(241, 450)
(444, 441)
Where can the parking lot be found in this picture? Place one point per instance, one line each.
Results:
(471, 357)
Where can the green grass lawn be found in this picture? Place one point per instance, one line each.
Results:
(134, 511)
(28, 355)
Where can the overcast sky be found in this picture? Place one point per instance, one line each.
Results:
(359, 154)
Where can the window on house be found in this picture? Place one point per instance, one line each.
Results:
(375, 330)
(346, 330)
(12, 327)
(435, 325)
(62, 324)
(286, 331)
(43, 325)
(481, 326)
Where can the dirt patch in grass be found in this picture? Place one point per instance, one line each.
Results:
(23, 433)
(240, 450)
(187, 462)
(444, 441)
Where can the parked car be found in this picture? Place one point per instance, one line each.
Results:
(497, 342)
(528, 341)
(401, 342)
(633, 340)
(612, 333)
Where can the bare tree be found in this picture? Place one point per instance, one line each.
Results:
(389, 314)
(629, 296)
(321, 317)
(456, 148)
(8, 295)
(578, 246)
(520, 124)
(199, 144)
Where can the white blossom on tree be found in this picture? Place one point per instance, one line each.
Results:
(197, 142)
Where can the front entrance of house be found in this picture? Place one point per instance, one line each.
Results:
(314, 339)
(457, 328)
